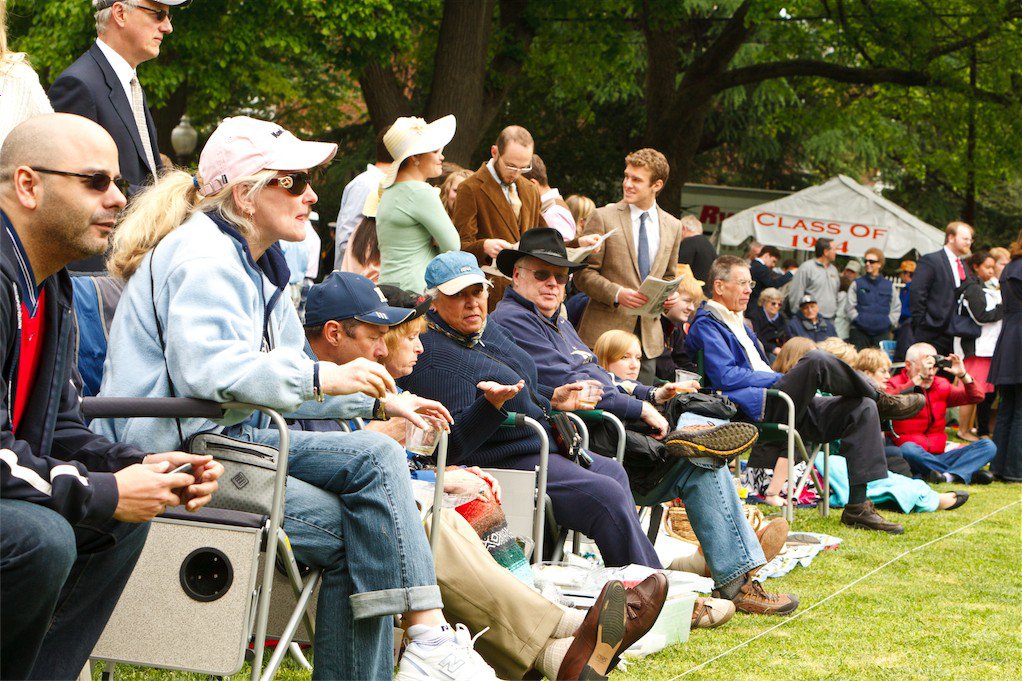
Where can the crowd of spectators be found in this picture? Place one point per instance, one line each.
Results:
(449, 307)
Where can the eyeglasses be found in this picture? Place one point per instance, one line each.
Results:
(294, 183)
(772, 302)
(158, 14)
(100, 182)
(515, 169)
(870, 261)
(543, 275)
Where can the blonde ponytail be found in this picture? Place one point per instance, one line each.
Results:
(161, 208)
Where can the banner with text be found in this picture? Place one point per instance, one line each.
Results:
(801, 233)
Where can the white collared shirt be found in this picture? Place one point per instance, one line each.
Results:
(736, 322)
(954, 260)
(122, 69)
(652, 229)
(500, 182)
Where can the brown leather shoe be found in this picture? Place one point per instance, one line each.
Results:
(772, 535)
(896, 407)
(644, 602)
(865, 517)
(599, 638)
(751, 598)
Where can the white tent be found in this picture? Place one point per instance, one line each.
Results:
(841, 209)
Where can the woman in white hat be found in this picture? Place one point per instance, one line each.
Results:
(411, 223)
(203, 315)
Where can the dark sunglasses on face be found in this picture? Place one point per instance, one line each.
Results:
(97, 181)
(543, 275)
(158, 14)
(294, 183)
(868, 261)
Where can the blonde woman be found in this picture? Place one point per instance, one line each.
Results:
(204, 315)
(21, 95)
(582, 208)
(449, 188)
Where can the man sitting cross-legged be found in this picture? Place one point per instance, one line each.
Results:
(531, 312)
(735, 363)
(526, 630)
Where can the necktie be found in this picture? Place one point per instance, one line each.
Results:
(961, 270)
(642, 250)
(512, 197)
(138, 109)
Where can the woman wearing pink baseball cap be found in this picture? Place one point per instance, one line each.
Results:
(203, 315)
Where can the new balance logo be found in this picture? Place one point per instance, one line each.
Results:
(451, 664)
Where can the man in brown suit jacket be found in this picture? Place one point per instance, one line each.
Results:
(496, 204)
(616, 272)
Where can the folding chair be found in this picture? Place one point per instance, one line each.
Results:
(200, 593)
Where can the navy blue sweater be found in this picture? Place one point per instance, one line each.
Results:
(448, 371)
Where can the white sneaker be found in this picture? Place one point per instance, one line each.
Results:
(453, 660)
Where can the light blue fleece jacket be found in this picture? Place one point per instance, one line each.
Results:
(212, 302)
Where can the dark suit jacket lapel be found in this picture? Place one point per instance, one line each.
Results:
(120, 102)
(492, 191)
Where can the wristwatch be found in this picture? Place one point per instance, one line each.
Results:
(380, 410)
(967, 376)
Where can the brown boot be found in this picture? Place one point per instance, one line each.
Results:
(751, 598)
(865, 517)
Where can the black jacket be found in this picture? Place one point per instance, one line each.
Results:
(49, 460)
(763, 278)
(697, 252)
(89, 87)
(772, 334)
(933, 293)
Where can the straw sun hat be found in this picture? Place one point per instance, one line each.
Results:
(407, 137)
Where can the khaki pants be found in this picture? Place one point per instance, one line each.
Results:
(479, 593)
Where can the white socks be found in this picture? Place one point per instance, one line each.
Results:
(425, 635)
(549, 661)
(569, 623)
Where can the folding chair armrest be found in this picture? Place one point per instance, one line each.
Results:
(513, 420)
(590, 415)
(150, 407)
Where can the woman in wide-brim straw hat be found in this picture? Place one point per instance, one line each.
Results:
(411, 223)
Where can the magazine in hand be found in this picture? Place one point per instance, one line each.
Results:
(579, 254)
(657, 290)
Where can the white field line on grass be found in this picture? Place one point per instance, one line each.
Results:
(789, 620)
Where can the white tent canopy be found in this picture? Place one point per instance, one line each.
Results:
(841, 209)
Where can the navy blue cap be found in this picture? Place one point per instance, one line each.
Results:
(346, 295)
(453, 271)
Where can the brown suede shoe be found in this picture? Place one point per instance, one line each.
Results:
(896, 407)
(865, 517)
(710, 613)
(725, 441)
(599, 638)
(751, 598)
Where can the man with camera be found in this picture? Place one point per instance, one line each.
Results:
(922, 437)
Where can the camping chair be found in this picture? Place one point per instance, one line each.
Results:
(200, 593)
(787, 432)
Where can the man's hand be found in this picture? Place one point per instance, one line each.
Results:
(957, 367)
(587, 240)
(569, 397)
(491, 247)
(466, 481)
(146, 490)
(409, 406)
(497, 394)
(205, 470)
(631, 298)
(654, 420)
(671, 301)
(669, 390)
(357, 376)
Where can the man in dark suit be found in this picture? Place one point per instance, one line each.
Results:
(696, 251)
(937, 278)
(102, 84)
(763, 275)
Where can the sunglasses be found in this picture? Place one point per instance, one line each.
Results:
(158, 14)
(294, 183)
(543, 275)
(97, 181)
(870, 261)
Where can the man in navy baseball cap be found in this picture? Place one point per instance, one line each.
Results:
(347, 315)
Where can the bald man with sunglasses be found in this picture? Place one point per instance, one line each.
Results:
(74, 506)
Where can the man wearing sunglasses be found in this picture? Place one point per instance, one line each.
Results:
(873, 307)
(103, 84)
(73, 504)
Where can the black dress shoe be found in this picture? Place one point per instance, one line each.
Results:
(983, 477)
(934, 478)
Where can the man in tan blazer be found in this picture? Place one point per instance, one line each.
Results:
(646, 244)
(496, 204)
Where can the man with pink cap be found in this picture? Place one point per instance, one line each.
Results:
(203, 315)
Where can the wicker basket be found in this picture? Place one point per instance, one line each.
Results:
(677, 524)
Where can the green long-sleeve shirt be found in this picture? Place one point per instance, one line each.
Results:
(413, 228)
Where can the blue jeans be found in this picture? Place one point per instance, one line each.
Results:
(729, 544)
(349, 510)
(60, 585)
(963, 461)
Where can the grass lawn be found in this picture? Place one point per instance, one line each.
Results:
(950, 610)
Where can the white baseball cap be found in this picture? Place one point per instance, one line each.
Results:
(242, 146)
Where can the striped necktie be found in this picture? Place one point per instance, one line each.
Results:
(138, 109)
